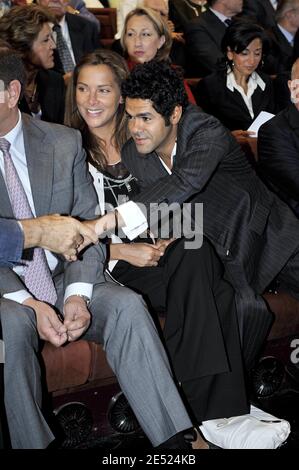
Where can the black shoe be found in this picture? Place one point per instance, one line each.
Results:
(182, 440)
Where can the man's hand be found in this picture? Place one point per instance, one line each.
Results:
(76, 317)
(49, 327)
(163, 244)
(63, 235)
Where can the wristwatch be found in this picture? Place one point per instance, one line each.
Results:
(85, 298)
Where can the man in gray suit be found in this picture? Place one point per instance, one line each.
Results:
(43, 168)
(180, 154)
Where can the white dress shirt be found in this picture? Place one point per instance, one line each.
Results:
(253, 82)
(66, 36)
(289, 36)
(17, 151)
(132, 215)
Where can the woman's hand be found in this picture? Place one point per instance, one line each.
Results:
(242, 136)
(137, 254)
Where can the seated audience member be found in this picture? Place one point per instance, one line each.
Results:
(80, 7)
(282, 36)
(261, 11)
(238, 92)
(187, 284)
(58, 181)
(74, 36)
(204, 35)
(125, 6)
(179, 154)
(28, 30)
(181, 12)
(198, 303)
(146, 36)
(278, 148)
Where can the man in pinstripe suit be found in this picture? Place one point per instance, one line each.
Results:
(180, 154)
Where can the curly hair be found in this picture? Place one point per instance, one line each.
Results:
(93, 145)
(159, 82)
(21, 25)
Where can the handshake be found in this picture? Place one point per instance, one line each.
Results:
(65, 235)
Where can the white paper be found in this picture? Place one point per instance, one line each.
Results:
(259, 121)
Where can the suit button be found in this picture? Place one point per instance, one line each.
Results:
(227, 253)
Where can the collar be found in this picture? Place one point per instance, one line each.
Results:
(220, 15)
(15, 136)
(173, 154)
(289, 36)
(254, 81)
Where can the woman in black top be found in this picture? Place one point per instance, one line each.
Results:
(238, 91)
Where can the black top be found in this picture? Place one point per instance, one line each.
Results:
(229, 106)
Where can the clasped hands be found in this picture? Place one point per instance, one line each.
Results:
(50, 327)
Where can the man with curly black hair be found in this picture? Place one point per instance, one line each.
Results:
(180, 154)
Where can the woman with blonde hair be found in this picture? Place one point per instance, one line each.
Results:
(146, 36)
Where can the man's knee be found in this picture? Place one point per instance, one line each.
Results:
(18, 323)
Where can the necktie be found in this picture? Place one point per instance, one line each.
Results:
(37, 275)
(63, 50)
(228, 21)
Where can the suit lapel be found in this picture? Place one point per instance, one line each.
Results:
(216, 27)
(75, 35)
(39, 155)
(293, 118)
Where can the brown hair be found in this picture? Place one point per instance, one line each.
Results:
(21, 25)
(159, 25)
(92, 143)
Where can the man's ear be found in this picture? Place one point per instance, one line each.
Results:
(176, 115)
(14, 91)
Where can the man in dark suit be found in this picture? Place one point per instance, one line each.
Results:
(263, 11)
(179, 154)
(204, 35)
(43, 171)
(79, 34)
(282, 35)
(278, 148)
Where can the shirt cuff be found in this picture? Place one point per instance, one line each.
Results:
(19, 296)
(78, 288)
(134, 219)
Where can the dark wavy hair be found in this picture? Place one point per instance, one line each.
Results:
(21, 25)
(240, 34)
(159, 82)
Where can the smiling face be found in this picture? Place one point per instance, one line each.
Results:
(148, 128)
(141, 39)
(97, 97)
(247, 61)
(42, 48)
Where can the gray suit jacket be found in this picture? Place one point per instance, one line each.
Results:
(60, 183)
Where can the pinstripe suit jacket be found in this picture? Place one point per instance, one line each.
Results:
(253, 232)
(245, 221)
